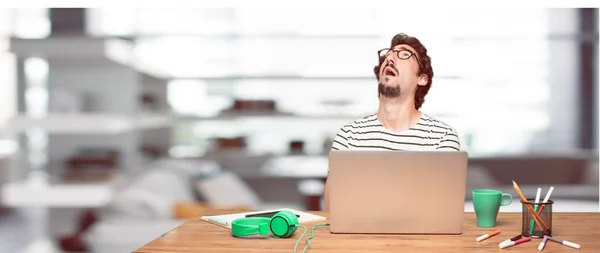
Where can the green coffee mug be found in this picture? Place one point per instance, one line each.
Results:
(487, 204)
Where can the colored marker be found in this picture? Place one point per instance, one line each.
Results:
(517, 242)
(511, 239)
(567, 243)
(543, 243)
(488, 235)
(535, 208)
(538, 220)
(546, 199)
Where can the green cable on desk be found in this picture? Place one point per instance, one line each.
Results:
(310, 237)
(302, 235)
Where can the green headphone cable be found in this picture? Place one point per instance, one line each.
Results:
(303, 233)
(308, 238)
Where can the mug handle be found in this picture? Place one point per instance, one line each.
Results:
(504, 202)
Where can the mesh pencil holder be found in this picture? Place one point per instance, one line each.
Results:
(540, 227)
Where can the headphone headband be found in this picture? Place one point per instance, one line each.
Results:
(282, 224)
(249, 226)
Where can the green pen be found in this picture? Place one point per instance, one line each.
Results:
(535, 208)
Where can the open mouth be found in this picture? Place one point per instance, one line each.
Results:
(388, 71)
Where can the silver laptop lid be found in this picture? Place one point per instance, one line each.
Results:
(397, 191)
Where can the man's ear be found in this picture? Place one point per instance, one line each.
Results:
(423, 79)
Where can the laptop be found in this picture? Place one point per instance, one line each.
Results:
(397, 192)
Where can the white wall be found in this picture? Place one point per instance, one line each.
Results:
(563, 78)
(8, 86)
(596, 110)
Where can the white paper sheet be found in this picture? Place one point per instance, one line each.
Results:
(226, 219)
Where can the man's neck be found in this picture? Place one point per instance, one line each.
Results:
(397, 115)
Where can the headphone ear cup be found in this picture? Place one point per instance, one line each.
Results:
(283, 224)
(292, 219)
(291, 216)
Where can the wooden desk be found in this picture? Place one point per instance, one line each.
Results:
(199, 236)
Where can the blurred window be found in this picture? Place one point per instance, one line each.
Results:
(492, 74)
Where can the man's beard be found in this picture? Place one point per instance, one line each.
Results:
(389, 91)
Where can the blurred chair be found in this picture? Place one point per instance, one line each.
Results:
(151, 204)
(228, 189)
(143, 206)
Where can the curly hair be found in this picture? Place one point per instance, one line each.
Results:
(424, 66)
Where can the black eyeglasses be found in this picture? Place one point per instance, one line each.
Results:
(402, 53)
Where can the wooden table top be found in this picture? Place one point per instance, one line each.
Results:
(200, 236)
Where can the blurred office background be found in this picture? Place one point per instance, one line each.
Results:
(111, 119)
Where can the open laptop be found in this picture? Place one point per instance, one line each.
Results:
(397, 192)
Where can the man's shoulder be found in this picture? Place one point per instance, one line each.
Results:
(450, 140)
(437, 123)
(366, 121)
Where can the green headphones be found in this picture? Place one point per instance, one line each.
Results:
(283, 224)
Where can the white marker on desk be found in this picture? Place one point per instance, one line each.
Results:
(563, 242)
(517, 242)
(510, 240)
(543, 243)
(488, 235)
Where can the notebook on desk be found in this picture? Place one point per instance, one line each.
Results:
(226, 219)
(393, 192)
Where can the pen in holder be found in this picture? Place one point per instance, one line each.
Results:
(530, 227)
